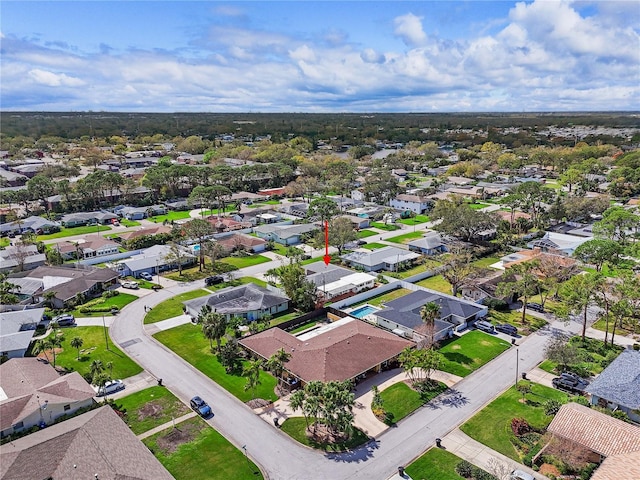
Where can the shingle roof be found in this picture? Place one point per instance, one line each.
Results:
(429, 240)
(389, 255)
(620, 381)
(619, 467)
(596, 431)
(338, 354)
(96, 443)
(238, 300)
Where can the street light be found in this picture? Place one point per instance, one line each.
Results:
(158, 269)
(517, 360)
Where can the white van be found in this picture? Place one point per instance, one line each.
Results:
(485, 326)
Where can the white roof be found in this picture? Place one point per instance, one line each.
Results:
(390, 255)
(353, 280)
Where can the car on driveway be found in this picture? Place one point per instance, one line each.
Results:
(214, 280)
(520, 475)
(485, 326)
(146, 276)
(65, 320)
(200, 406)
(536, 307)
(507, 328)
(110, 387)
(570, 382)
(131, 285)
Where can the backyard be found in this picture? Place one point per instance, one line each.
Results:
(414, 220)
(150, 408)
(188, 342)
(193, 451)
(492, 425)
(378, 300)
(437, 283)
(172, 307)
(93, 348)
(465, 354)
(400, 400)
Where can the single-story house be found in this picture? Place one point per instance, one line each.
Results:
(248, 301)
(13, 179)
(256, 216)
(387, 258)
(271, 192)
(416, 203)
(553, 256)
(91, 246)
(95, 445)
(618, 386)
(182, 204)
(347, 349)
(402, 315)
(467, 192)
(241, 241)
(152, 259)
(485, 287)
(566, 244)
(21, 257)
(607, 438)
(33, 224)
(429, 244)
(36, 394)
(153, 230)
(459, 180)
(334, 281)
(139, 213)
(357, 222)
(284, 234)
(16, 331)
(88, 218)
(226, 224)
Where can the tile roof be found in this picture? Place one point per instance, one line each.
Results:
(145, 231)
(338, 354)
(596, 431)
(238, 300)
(619, 467)
(620, 381)
(95, 444)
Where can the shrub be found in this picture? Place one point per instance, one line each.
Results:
(496, 304)
(551, 407)
(110, 293)
(519, 426)
(636, 346)
(464, 469)
(479, 474)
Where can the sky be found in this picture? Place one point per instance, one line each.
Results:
(315, 57)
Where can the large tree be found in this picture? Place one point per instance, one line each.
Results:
(579, 293)
(323, 208)
(199, 230)
(526, 284)
(616, 224)
(341, 232)
(458, 219)
(598, 251)
(457, 269)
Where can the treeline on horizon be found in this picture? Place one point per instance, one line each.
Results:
(349, 128)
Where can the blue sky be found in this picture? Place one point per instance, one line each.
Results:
(307, 56)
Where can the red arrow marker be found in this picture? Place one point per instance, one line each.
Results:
(327, 257)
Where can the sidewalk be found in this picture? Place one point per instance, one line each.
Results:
(153, 328)
(460, 444)
(164, 426)
(538, 375)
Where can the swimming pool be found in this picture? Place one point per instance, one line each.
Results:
(363, 311)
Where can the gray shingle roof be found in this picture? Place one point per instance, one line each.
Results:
(238, 300)
(620, 381)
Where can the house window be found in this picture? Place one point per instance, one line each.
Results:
(67, 407)
(18, 426)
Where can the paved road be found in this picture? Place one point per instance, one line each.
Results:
(282, 458)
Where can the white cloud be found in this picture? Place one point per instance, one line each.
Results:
(51, 79)
(369, 55)
(409, 28)
(303, 53)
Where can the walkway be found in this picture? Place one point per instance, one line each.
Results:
(134, 384)
(153, 328)
(164, 426)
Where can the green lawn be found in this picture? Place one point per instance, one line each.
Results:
(435, 464)
(409, 272)
(485, 262)
(194, 273)
(93, 348)
(477, 206)
(387, 227)
(601, 325)
(172, 307)
(463, 355)
(4, 242)
(296, 427)
(188, 342)
(128, 223)
(514, 317)
(364, 233)
(170, 217)
(405, 237)
(437, 283)
(205, 454)
(374, 246)
(68, 232)
(279, 318)
(142, 283)
(400, 400)
(591, 353)
(119, 301)
(414, 220)
(492, 425)
(150, 408)
(385, 297)
(242, 262)
(303, 327)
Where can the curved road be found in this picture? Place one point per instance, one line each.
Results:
(282, 458)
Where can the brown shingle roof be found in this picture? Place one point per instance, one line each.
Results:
(619, 467)
(95, 443)
(338, 354)
(596, 431)
(145, 231)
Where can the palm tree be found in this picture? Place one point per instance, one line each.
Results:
(429, 313)
(297, 402)
(55, 341)
(95, 368)
(48, 297)
(109, 365)
(251, 372)
(276, 362)
(76, 342)
(214, 326)
(41, 346)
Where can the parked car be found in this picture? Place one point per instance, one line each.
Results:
(570, 382)
(507, 328)
(132, 285)
(146, 276)
(65, 320)
(520, 475)
(110, 387)
(200, 406)
(216, 279)
(485, 326)
(361, 242)
(536, 307)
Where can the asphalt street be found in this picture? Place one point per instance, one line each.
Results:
(282, 458)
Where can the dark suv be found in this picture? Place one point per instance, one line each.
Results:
(536, 307)
(507, 328)
(216, 279)
(570, 382)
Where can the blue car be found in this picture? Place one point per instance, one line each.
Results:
(200, 406)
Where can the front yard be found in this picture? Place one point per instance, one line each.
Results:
(248, 261)
(592, 357)
(514, 317)
(400, 400)
(93, 348)
(193, 451)
(435, 464)
(188, 342)
(405, 237)
(467, 353)
(364, 233)
(492, 425)
(102, 306)
(296, 428)
(68, 232)
(414, 220)
(387, 227)
(150, 408)
(172, 307)
(169, 217)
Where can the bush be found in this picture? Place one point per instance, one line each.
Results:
(519, 426)
(636, 346)
(528, 459)
(479, 474)
(497, 304)
(110, 293)
(464, 469)
(551, 407)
